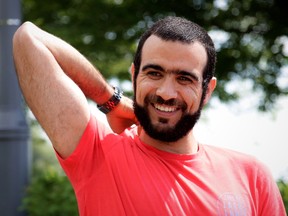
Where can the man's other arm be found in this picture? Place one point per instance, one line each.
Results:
(54, 78)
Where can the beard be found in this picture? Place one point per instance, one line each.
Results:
(169, 134)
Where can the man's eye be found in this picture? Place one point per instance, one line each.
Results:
(154, 74)
(184, 79)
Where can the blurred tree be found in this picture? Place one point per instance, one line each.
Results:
(50, 194)
(250, 35)
(283, 187)
(49, 185)
(44, 158)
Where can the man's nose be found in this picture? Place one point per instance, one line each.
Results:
(167, 89)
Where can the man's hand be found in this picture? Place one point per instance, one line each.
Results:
(122, 116)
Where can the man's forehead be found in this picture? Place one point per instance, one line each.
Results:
(174, 55)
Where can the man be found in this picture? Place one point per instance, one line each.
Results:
(157, 168)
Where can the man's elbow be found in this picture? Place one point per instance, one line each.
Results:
(22, 36)
(22, 41)
(21, 31)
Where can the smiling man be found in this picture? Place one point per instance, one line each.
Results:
(157, 167)
(169, 94)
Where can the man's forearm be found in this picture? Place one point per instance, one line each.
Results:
(76, 66)
(90, 80)
(80, 71)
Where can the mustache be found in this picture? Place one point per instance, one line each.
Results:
(171, 102)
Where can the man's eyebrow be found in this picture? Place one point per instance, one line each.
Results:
(153, 66)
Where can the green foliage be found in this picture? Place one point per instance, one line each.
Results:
(50, 194)
(106, 31)
(43, 153)
(283, 187)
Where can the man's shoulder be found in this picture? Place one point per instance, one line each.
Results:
(227, 154)
(236, 162)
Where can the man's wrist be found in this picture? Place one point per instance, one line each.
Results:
(112, 102)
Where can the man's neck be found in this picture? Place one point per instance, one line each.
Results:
(185, 145)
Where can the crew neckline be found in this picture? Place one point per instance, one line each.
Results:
(169, 155)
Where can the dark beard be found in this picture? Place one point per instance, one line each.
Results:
(181, 129)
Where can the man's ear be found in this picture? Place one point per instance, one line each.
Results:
(132, 71)
(210, 88)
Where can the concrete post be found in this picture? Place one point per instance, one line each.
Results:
(14, 135)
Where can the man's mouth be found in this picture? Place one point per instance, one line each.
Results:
(164, 108)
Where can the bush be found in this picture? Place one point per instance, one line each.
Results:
(50, 194)
(283, 187)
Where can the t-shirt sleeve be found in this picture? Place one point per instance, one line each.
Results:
(270, 200)
(88, 153)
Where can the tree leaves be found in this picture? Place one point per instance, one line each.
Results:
(107, 31)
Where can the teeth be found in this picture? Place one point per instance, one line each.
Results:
(165, 108)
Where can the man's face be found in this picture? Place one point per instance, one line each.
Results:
(169, 88)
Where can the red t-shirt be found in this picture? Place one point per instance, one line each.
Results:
(119, 175)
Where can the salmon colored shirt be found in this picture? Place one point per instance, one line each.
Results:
(120, 175)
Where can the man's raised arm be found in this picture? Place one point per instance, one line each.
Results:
(54, 78)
